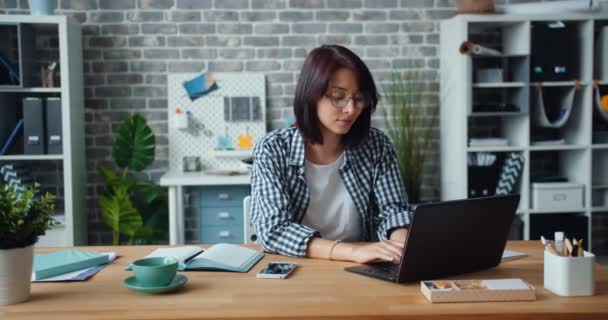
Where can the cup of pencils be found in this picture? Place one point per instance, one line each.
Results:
(569, 270)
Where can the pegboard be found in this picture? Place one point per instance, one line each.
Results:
(212, 115)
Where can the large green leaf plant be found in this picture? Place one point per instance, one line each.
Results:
(133, 208)
(410, 118)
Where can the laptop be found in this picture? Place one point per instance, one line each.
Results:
(450, 238)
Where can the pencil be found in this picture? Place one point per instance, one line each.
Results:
(548, 246)
(568, 247)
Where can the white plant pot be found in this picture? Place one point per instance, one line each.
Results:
(15, 274)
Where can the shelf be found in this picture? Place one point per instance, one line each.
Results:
(494, 149)
(600, 209)
(232, 153)
(499, 56)
(557, 147)
(541, 211)
(604, 83)
(557, 83)
(26, 157)
(483, 85)
(600, 186)
(600, 146)
(30, 90)
(175, 178)
(497, 114)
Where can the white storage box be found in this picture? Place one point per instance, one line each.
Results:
(570, 276)
(557, 196)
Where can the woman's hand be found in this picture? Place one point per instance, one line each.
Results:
(387, 250)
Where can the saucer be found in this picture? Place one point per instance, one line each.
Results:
(177, 282)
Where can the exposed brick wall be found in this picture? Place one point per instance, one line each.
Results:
(131, 45)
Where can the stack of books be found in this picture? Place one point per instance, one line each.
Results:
(69, 265)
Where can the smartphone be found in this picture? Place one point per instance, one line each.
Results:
(276, 270)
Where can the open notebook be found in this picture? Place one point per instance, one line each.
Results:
(219, 257)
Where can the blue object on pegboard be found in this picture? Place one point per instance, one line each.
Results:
(200, 86)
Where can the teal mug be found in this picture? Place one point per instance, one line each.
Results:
(155, 272)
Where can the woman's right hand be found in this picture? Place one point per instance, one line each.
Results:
(387, 250)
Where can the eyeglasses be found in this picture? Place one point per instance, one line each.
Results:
(340, 100)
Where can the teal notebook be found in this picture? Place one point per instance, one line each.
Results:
(60, 262)
(219, 257)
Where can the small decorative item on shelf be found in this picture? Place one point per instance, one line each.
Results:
(474, 49)
(489, 75)
(224, 142)
(47, 75)
(24, 216)
(191, 164)
(476, 6)
(245, 142)
(601, 101)
(42, 7)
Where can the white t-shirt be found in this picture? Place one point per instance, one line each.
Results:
(331, 210)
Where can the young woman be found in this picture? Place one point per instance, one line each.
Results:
(331, 181)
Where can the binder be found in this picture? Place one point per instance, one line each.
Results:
(8, 119)
(54, 138)
(33, 126)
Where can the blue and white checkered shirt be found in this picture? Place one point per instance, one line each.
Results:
(280, 193)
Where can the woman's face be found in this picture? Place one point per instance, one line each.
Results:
(341, 105)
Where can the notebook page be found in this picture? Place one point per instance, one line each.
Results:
(228, 254)
(180, 253)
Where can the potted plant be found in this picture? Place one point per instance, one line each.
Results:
(410, 118)
(130, 206)
(24, 216)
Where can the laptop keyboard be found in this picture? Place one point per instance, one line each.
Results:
(383, 269)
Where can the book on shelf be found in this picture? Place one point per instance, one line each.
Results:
(488, 142)
(219, 257)
(64, 261)
(549, 142)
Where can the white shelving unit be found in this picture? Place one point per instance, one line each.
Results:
(73, 214)
(463, 114)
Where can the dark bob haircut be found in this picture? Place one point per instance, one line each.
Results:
(319, 66)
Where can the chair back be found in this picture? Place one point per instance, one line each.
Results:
(248, 232)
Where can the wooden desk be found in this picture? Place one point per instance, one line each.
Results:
(318, 289)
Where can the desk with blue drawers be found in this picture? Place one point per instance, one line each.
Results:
(220, 206)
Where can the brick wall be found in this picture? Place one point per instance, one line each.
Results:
(131, 45)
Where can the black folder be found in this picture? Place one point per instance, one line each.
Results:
(54, 137)
(33, 126)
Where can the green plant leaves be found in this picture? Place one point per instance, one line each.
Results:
(132, 207)
(118, 212)
(134, 145)
(23, 217)
(410, 120)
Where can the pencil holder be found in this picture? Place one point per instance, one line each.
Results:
(570, 276)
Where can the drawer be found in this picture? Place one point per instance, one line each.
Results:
(223, 196)
(212, 235)
(224, 216)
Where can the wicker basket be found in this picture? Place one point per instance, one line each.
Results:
(475, 6)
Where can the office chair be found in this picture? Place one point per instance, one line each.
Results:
(250, 236)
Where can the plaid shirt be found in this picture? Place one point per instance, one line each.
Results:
(280, 193)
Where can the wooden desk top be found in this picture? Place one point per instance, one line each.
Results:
(319, 289)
